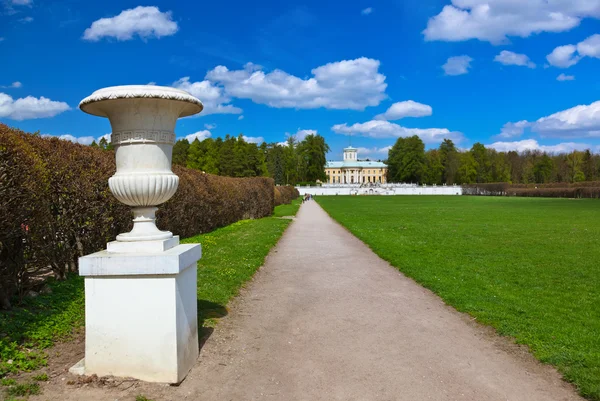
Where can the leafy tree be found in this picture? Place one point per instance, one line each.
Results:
(467, 170)
(180, 152)
(434, 169)
(543, 169)
(312, 153)
(450, 161)
(406, 160)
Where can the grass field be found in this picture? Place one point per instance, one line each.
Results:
(529, 267)
(230, 256)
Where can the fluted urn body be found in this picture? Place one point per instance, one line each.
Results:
(143, 120)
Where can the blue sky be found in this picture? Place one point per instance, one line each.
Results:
(510, 74)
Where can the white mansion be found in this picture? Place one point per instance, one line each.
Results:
(353, 171)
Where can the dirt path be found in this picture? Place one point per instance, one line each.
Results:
(326, 319)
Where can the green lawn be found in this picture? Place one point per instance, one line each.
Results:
(529, 267)
(230, 256)
(288, 210)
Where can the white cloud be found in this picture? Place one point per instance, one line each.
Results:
(374, 152)
(511, 130)
(26, 20)
(404, 109)
(457, 65)
(84, 140)
(581, 121)
(578, 121)
(563, 56)
(213, 97)
(254, 139)
(15, 84)
(569, 55)
(510, 58)
(200, 135)
(301, 134)
(495, 20)
(146, 22)
(151, 83)
(349, 84)
(563, 77)
(532, 144)
(240, 117)
(590, 47)
(30, 107)
(386, 129)
(105, 136)
(210, 126)
(367, 11)
(21, 2)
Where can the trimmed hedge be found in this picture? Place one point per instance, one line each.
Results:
(55, 206)
(590, 189)
(285, 194)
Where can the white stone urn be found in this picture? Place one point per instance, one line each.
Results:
(143, 120)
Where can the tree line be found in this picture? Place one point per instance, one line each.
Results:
(288, 163)
(409, 162)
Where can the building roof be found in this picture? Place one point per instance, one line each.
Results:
(355, 164)
(350, 148)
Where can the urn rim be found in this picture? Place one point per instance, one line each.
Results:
(91, 104)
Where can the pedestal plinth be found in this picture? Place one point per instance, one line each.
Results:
(141, 316)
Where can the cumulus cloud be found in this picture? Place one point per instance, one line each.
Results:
(240, 117)
(590, 47)
(457, 65)
(386, 129)
(581, 121)
(213, 97)
(511, 130)
(367, 11)
(563, 56)
(563, 77)
(200, 135)
(30, 107)
(83, 140)
(348, 84)
(301, 134)
(569, 55)
(510, 58)
(21, 2)
(532, 144)
(26, 20)
(578, 121)
(495, 20)
(145, 22)
(254, 139)
(210, 126)
(404, 109)
(374, 152)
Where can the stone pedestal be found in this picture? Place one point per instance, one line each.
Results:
(141, 310)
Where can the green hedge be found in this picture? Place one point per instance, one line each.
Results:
(55, 206)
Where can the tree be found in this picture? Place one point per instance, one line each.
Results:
(312, 153)
(406, 160)
(480, 155)
(434, 169)
(450, 161)
(543, 169)
(180, 152)
(467, 169)
(574, 165)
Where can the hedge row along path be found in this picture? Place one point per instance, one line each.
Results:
(327, 319)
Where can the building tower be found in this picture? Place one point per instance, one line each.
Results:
(350, 154)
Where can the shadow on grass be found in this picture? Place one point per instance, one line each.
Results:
(208, 310)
